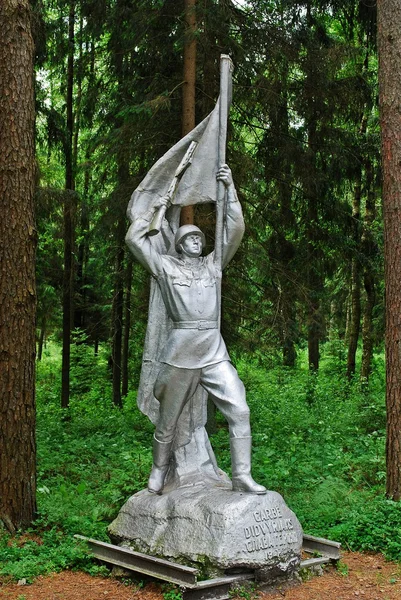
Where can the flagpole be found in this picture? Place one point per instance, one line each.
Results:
(226, 68)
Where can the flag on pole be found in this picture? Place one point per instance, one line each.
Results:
(196, 186)
(198, 183)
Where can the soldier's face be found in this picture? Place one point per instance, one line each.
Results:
(192, 245)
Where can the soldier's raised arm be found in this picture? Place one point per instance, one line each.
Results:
(139, 243)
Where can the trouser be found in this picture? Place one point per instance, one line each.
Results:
(175, 386)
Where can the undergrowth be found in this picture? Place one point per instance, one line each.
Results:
(91, 458)
(318, 440)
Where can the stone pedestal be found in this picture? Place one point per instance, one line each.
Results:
(213, 529)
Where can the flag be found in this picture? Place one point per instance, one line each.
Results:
(197, 185)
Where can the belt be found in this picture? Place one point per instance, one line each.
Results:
(195, 325)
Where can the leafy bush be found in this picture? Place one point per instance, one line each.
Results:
(374, 527)
(318, 439)
(88, 466)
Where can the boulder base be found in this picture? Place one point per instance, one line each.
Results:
(213, 529)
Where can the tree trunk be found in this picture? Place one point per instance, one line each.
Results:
(367, 326)
(313, 324)
(68, 275)
(280, 127)
(118, 293)
(117, 312)
(188, 89)
(80, 311)
(127, 328)
(123, 72)
(369, 251)
(79, 284)
(17, 261)
(355, 323)
(81, 293)
(314, 275)
(355, 317)
(347, 316)
(389, 44)
(41, 337)
(188, 123)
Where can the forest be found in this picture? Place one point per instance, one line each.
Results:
(115, 84)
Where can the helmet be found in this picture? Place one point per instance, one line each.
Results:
(184, 231)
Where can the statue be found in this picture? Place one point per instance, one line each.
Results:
(190, 512)
(194, 353)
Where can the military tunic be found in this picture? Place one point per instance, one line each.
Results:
(189, 289)
(195, 352)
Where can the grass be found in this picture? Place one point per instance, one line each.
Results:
(318, 439)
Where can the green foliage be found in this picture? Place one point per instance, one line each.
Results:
(245, 591)
(318, 439)
(375, 528)
(171, 591)
(88, 466)
(24, 558)
(342, 568)
(87, 373)
(295, 147)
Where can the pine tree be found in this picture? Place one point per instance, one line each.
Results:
(389, 43)
(17, 268)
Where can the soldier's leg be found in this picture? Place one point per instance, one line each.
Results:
(227, 391)
(173, 388)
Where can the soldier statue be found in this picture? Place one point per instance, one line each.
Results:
(195, 353)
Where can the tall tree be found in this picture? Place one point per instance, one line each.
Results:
(361, 264)
(293, 149)
(389, 45)
(69, 202)
(127, 328)
(119, 45)
(188, 88)
(311, 181)
(370, 251)
(355, 295)
(17, 267)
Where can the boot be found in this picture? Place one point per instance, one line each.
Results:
(161, 460)
(241, 467)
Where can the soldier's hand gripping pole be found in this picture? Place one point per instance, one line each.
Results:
(157, 220)
(226, 69)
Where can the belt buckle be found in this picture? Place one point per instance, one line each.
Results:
(202, 325)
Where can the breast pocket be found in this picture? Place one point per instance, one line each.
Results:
(180, 281)
(209, 282)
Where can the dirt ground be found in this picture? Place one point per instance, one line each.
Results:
(360, 576)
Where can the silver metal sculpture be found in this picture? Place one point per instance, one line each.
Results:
(185, 356)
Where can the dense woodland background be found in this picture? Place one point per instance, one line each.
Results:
(303, 300)
(304, 150)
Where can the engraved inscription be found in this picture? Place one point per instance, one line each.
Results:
(272, 541)
(266, 528)
(267, 513)
(269, 531)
